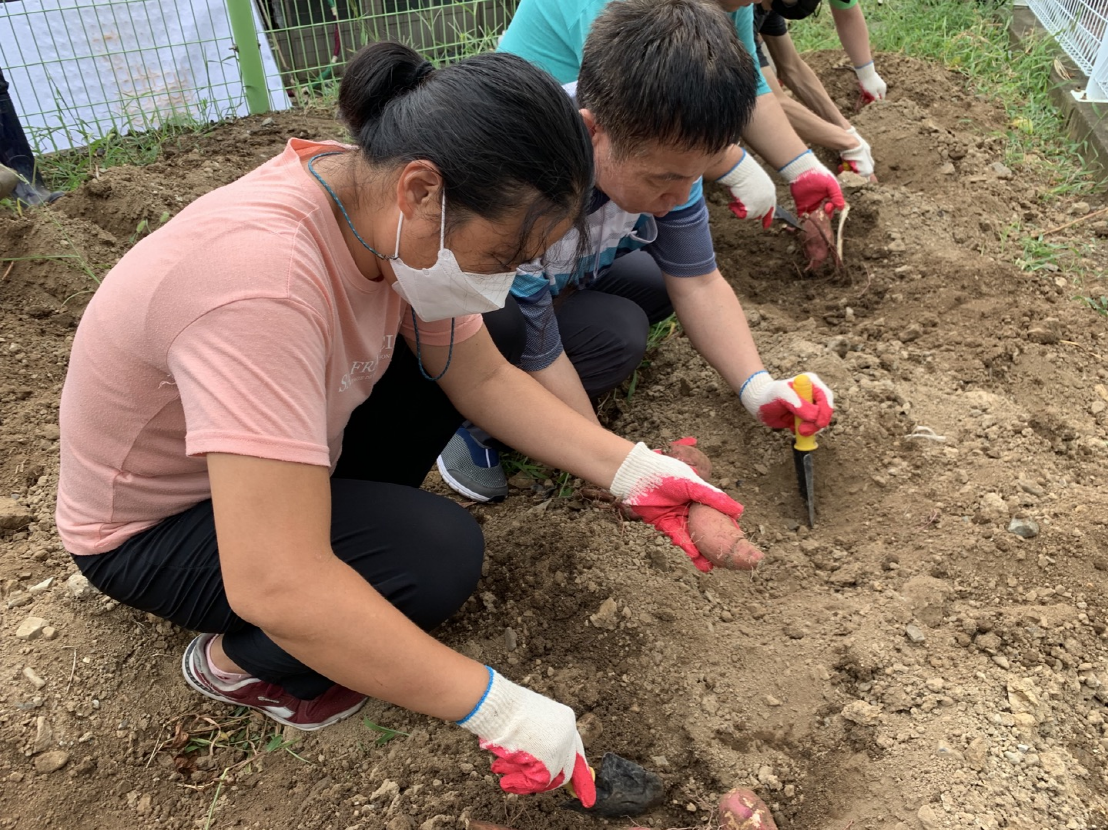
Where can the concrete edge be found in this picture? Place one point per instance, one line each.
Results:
(1086, 123)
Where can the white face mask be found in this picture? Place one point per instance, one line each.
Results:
(444, 290)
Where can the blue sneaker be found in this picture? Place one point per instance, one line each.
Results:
(472, 469)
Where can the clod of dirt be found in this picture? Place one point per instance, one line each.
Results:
(13, 515)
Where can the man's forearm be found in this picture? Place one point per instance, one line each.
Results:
(732, 157)
(713, 318)
(562, 380)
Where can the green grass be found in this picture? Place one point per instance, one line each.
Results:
(972, 38)
(659, 333)
(1097, 304)
(69, 169)
(384, 734)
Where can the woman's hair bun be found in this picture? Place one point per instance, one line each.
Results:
(377, 74)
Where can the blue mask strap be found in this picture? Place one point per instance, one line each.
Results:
(419, 355)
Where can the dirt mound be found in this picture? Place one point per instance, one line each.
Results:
(912, 662)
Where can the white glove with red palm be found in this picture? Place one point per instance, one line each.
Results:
(813, 186)
(776, 404)
(660, 489)
(872, 85)
(752, 192)
(535, 740)
(860, 158)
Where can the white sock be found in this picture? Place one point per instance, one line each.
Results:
(222, 676)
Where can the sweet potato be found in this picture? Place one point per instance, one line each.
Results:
(818, 238)
(720, 541)
(691, 456)
(740, 809)
(484, 825)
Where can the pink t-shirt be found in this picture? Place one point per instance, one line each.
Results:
(243, 326)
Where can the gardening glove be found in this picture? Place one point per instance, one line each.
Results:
(752, 190)
(660, 489)
(534, 739)
(776, 404)
(872, 85)
(813, 186)
(860, 158)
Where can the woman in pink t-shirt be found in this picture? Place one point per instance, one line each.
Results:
(228, 360)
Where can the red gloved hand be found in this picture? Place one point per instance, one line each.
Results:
(534, 739)
(660, 489)
(812, 185)
(776, 404)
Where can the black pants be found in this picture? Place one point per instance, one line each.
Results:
(15, 150)
(604, 327)
(422, 552)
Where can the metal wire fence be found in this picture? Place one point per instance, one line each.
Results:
(312, 39)
(81, 69)
(1081, 28)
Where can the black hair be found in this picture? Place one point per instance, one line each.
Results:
(671, 72)
(502, 132)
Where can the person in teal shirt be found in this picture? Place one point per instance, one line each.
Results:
(552, 35)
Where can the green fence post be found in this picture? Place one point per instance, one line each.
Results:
(250, 55)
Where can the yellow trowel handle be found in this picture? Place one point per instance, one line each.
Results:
(803, 387)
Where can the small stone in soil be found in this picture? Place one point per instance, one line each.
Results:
(79, 586)
(606, 616)
(1025, 528)
(44, 736)
(30, 628)
(914, 633)
(52, 761)
(33, 678)
(1031, 488)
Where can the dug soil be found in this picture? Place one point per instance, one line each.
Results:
(911, 662)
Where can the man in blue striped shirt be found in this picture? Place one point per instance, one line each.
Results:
(665, 88)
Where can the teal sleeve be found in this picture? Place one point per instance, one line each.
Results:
(695, 195)
(551, 35)
(744, 27)
(842, 4)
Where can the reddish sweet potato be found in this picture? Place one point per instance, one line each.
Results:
(484, 825)
(818, 238)
(691, 456)
(740, 809)
(720, 541)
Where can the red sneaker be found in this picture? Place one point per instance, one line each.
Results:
(333, 705)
